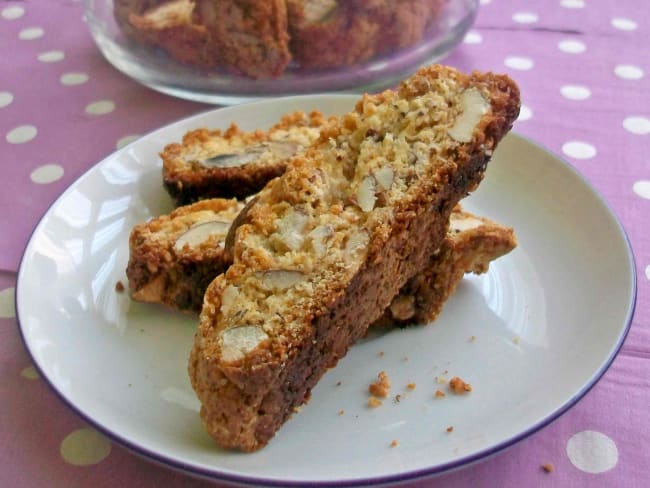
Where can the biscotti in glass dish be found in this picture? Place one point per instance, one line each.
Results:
(229, 51)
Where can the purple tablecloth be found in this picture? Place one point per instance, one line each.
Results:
(584, 70)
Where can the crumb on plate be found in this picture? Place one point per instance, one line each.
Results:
(457, 385)
(381, 387)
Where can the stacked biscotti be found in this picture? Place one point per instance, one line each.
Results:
(259, 38)
(325, 248)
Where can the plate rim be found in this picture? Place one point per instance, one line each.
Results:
(460, 462)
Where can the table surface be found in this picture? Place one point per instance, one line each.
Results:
(584, 71)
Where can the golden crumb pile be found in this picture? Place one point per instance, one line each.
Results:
(381, 387)
(457, 385)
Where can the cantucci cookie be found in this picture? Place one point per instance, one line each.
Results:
(234, 163)
(326, 247)
(470, 245)
(173, 258)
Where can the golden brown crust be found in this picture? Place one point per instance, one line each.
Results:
(344, 33)
(170, 266)
(470, 245)
(187, 177)
(340, 232)
(246, 37)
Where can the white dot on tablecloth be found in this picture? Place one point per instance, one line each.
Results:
(647, 272)
(473, 37)
(30, 33)
(47, 173)
(485, 2)
(84, 447)
(518, 63)
(13, 12)
(592, 452)
(637, 125)
(69, 79)
(51, 56)
(30, 373)
(7, 307)
(642, 188)
(123, 141)
(579, 150)
(100, 107)
(624, 24)
(571, 46)
(525, 17)
(525, 113)
(572, 3)
(21, 134)
(6, 98)
(628, 72)
(575, 92)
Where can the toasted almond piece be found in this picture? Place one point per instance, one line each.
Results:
(280, 279)
(228, 298)
(474, 107)
(280, 149)
(236, 342)
(367, 193)
(200, 233)
(290, 229)
(384, 177)
(241, 218)
(171, 14)
(403, 307)
(319, 237)
(357, 241)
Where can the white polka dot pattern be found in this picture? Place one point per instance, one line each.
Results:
(647, 272)
(642, 188)
(579, 150)
(6, 98)
(637, 125)
(575, 92)
(525, 17)
(592, 452)
(572, 46)
(13, 12)
(126, 140)
(47, 173)
(572, 3)
(70, 79)
(628, 72)
(51, 56)
(100, 107)
(519, 63)
(85, 447)
(525, 113)
(472, 37)
(21, 134)
(31, 33)
(624, 24)
(7, 307)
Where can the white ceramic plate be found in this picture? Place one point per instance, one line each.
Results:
(547, 319)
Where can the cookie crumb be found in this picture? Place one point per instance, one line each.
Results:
(515, 340)
(440, 380)
(472, 339)
(548, 467)
(341, 412)
(380, 387)
(381, 354)
(393, 443)
(296, 409)
(398, 398)
(440, 394)
(119, 286)
(338, 383)
(374, 402)
(450, 428)
(411, 386)
(457, 385)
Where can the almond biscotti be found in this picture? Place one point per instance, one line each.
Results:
(326, 246)
(173, 258)
(235, 163)
(248, 37)
(470, 245)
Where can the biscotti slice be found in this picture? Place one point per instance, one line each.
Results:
(333, 33)
(470, 245)
(326, 246)
(174, 256)
(246, 37)
(235, 163)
